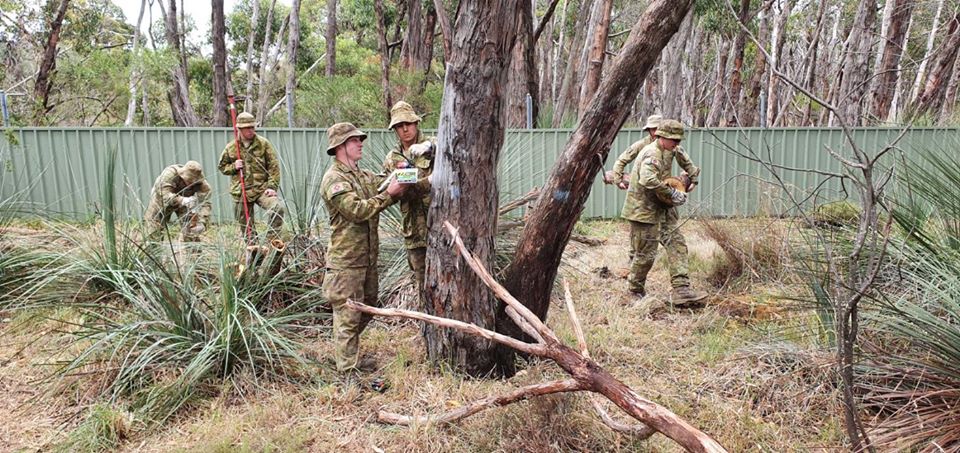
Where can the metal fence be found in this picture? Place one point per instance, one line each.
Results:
(60, 171)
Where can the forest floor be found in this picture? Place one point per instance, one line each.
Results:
(748, 368)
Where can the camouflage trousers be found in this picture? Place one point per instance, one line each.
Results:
(158, 216)
(644, 239)
(361, 285)
(417, 260)
(275, 210)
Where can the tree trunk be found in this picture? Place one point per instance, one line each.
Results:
(810, 63)
(597, 53)
(551, 221)
(522, 79)
(135, 68)
(546, 65)
(736, 74)
(331, 37)
(220, 115)
(384, 56)
(720, 85)
(670, 72)
(264, 78)
(415, 54)
(945, 117)
(470, 135)
(856, 64)
(44, 81)
(921, 78)
(887, 74)
(749, 106)
(179, 94)
(445, 28)
(571, 76)
(933, 93)
(251, 37)
(778, 39)
(293, 44)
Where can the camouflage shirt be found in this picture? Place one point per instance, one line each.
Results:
(629, 156)
(169, 189)
(415, 202)
(261, 169)
(354, 206)
(646, 180)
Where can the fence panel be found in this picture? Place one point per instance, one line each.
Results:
(60, 170)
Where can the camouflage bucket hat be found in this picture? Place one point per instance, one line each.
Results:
(191, 172)
(402, 113)
(653, 122)
(339, 133)
(671, 129)
(245, 120)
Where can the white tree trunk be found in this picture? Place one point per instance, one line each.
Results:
(134, 68)
(251, 37)
(921, 79)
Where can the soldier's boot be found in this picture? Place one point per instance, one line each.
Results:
(684, 295)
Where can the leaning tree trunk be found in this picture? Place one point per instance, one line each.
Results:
(220, 115)
(933, 93)
(179, 94)
(551, 221)
(921, 77)
(43, 83)
(856, 64)
(472, 124)
(887, 73)
(331, 37)
(736, 74)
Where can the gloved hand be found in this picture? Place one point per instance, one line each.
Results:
(678, 197)
(420, 149)
(199, 228)
(189, 202)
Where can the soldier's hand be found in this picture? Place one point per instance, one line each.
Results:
(238, 164)
(270, 192)
(693, 185)
(678, 197)
(421, 149)
(623, 185)
(189, 202)
(394, 189)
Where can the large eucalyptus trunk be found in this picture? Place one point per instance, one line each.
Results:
(736, 74)
(523, 75)
(856, 64)
(932, 96)
(179, 94)
(331, 38)
(384, 56)
(470, 135)
(597, 52)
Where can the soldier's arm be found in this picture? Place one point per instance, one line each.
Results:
(649, 176)
(273, 167)
(203, 191)
(168, 191)
(625, 158)
(389, 165)
(227, 158)
(683, 159)
(348, 203)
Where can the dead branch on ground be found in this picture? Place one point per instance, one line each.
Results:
(585, 373)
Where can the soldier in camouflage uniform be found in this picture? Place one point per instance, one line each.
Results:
(181, 190)
(353, 204)
(261, 174)
(651, 221)
(653, 121)
(412, 151)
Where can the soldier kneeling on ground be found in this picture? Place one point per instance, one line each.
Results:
(179, 189)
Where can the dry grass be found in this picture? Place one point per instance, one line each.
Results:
(740, 381)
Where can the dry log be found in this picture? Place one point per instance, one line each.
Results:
(587, 374)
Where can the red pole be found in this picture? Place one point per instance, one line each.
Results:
(243, 186)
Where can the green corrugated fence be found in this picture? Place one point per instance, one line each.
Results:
(59, 170)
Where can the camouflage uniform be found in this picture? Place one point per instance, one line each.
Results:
(261, 171)
(414, 204)
(354, 206)
(653, 121)
(175, 183)
(652, 222)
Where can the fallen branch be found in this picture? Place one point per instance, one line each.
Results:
(586, 373)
